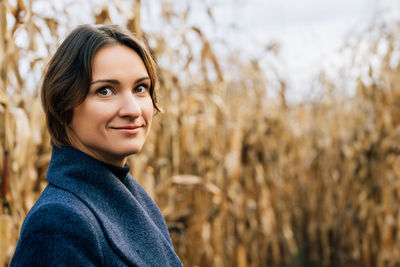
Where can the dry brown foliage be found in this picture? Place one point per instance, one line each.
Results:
(241, 180)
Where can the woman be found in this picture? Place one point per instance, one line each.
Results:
(98, 95)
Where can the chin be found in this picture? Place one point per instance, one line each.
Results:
(127, 151)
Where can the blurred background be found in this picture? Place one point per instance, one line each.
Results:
(279, 140)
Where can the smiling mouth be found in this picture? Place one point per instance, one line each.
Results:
(128, 129)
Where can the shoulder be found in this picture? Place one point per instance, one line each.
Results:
(59, 230)
(59, 205)
(66, 215)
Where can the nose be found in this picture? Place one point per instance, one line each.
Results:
(129, 106)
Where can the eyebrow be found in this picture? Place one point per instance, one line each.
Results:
(117, 82)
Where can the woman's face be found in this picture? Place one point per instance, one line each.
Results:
(114, 119)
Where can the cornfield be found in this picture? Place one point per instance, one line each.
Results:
(242, 180)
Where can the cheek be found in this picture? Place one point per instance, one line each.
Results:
(146, 106)
(89, 116)
(147, 110)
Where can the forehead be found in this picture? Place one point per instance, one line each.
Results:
(117, 60)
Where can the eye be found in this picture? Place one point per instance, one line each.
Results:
(141, 88)
(104, 91)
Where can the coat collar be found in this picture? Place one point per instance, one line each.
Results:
(129, 218)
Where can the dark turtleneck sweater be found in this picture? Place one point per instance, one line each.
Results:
(119, 172)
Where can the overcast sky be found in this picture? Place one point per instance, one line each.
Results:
(310, 31)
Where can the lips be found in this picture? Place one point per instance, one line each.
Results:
(128, 129)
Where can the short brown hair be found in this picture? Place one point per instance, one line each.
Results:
(68, 75)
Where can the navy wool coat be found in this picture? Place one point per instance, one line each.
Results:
(86, 216)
